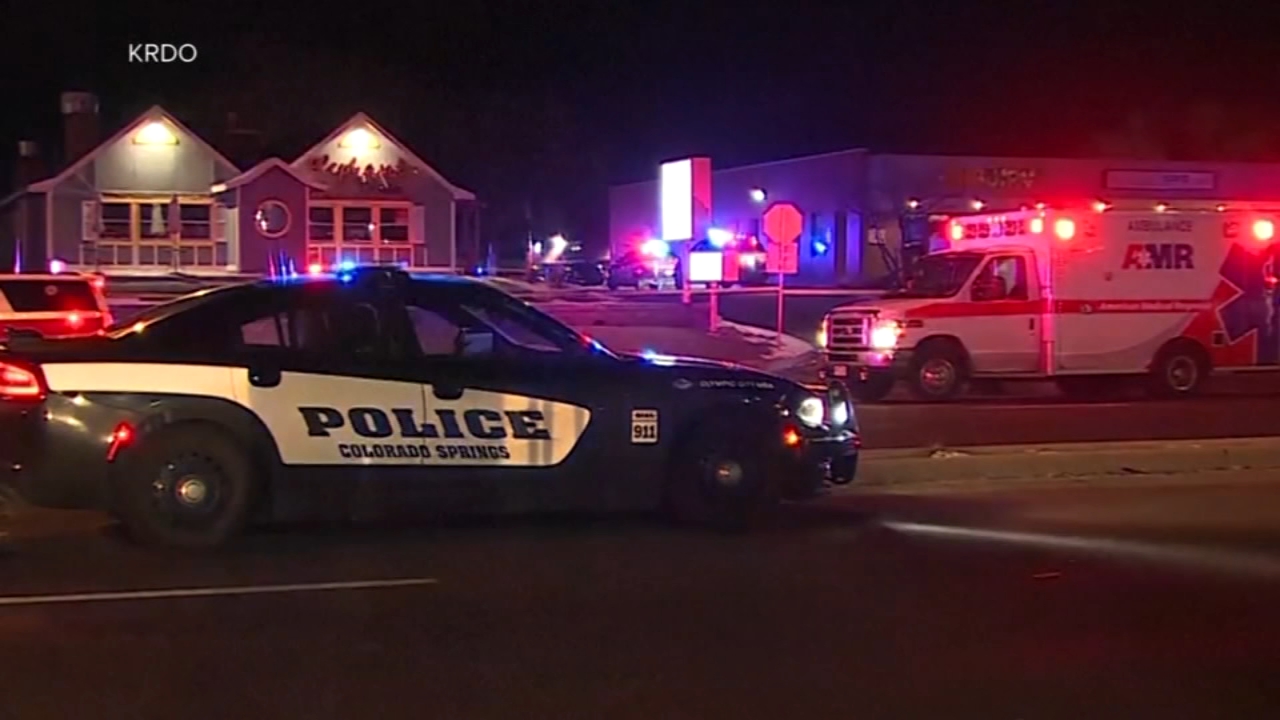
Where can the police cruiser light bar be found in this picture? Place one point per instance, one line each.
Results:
(346, 396)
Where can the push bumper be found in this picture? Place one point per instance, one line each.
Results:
(819, 462)
(865, 366)
(823, 456)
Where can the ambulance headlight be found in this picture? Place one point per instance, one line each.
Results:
(884, 335)
(810, 411)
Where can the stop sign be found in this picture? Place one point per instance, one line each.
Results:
(783, 222)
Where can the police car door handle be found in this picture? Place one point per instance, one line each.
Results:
(445, 391)
(264, 376)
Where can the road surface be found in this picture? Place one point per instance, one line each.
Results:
(1146, 601)
(1002, 422)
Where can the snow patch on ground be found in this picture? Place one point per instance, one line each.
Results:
(753, 346)
(790, 346)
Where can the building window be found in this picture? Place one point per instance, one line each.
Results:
(197, 221)
(357, 224)
(364, 232)
(273, 218)
(117, 221)
(149, 220)
(141, 231)
(321, 226)
(153, 221)
(393, 224)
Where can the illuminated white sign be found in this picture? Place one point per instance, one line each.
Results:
(1157, 180)
(676, 180)
(706, 267)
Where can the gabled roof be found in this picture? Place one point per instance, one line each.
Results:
(261, 169)
(155, 112)
(363, 119)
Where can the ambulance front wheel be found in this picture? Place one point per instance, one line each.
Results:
(1179, 370)
(938, 371)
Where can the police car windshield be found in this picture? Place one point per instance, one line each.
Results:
(547, 327)
(939, 276)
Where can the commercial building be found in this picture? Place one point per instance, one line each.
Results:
(857, 204)
(155, 197)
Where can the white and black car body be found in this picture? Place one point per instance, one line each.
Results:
(185, 430)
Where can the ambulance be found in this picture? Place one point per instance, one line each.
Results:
(1088, 297)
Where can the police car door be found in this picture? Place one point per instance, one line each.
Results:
(518, 428)
(318, 378)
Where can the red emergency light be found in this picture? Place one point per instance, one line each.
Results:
(1064, 228)
(1036, 225)
(957, 231)
(1264, 230)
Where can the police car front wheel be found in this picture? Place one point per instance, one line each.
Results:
(721, 480)
(189, 487)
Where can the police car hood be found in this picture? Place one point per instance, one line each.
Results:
(703, 370)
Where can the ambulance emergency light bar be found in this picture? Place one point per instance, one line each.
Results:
(1011, 225)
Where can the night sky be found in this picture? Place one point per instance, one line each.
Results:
(543, 104)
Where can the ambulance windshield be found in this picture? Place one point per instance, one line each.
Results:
(940, 275)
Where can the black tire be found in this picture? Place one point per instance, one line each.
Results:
(938, 372)
(723, 481)
(874, 389)
(1179, 370)
(159, 494)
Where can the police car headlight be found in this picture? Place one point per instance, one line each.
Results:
(840, 414)
(810, 411)
(884, 336)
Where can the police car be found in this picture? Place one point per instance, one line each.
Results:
(373, 392)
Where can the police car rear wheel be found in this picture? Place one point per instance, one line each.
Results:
(722, 481)
(188, 487)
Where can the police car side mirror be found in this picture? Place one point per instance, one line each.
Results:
(479, 343)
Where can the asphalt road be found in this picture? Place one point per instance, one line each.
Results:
(1146, 601)
(1006, 422)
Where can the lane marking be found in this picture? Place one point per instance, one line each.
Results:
(1200, 557)
(178, 593)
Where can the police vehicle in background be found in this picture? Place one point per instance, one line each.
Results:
(374, 392)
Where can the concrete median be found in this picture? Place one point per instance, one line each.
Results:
(1066, 460)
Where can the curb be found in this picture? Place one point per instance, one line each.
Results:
(1065, 460)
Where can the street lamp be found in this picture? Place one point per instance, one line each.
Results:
(758, 195)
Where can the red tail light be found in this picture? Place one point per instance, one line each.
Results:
(21, 382)
(120, 439)
(75, 320)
